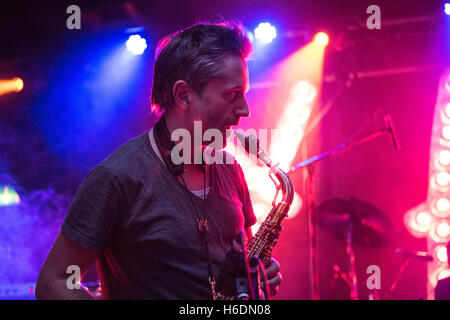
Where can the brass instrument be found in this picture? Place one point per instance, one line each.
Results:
(265, 239)
(268, 233)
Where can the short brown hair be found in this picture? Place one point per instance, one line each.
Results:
(195, 55)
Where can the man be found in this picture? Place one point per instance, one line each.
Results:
(158, 229)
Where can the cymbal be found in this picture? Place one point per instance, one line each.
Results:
(370, 226)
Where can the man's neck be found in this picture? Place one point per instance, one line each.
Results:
(190, 169)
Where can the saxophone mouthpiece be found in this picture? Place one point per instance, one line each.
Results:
(250, 144)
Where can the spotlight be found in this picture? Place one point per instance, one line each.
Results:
(18, 83)
(265, 32)
(8, 196)
(136, 45)
(11, 85)
(321, 38)
(447, 8)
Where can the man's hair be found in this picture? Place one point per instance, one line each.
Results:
(195, 55)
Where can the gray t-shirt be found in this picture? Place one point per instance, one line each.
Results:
(140, 219)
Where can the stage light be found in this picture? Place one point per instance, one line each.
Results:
(321, 38)
(444, 158)
(8, 196)
(446, 132)
(136, 44)
(265, 32)
(441, 253)
(441, 207)
(423, 220)
(443, 179)
(443, 230)
(18, 84)
(12, 85)
(419, 223)
(447, 8)
(444, 273)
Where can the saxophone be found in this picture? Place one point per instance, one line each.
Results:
(268, 233)
(265, 239)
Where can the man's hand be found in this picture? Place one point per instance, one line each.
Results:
(273, 275)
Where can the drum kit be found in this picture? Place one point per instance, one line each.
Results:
(356, 222)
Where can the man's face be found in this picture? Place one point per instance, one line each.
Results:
(223, 101)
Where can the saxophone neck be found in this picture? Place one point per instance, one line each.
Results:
(251, 146)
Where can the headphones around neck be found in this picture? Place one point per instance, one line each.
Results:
(165, 146)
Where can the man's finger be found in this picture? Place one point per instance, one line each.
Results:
(273, 268)
(275, 281)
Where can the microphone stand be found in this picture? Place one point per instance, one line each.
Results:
(312, 219)
(405, 262)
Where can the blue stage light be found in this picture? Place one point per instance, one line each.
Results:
(265, 32)
(447, 8)
(136, 45)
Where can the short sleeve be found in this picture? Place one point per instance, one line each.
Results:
(247, 207)
(94, 212)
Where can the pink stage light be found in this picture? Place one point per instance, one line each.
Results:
(442, 179)
(447, 110)
(443, 230)
(441, 207)
(445, 273)
(441, 253)
(444, 158)
(446, 132)
(421, 222)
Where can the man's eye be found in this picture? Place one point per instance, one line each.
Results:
(232, 95)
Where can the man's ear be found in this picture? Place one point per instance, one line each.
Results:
(182, 95)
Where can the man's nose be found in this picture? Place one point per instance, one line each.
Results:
(243, 110)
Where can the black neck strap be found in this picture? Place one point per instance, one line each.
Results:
(165, 146)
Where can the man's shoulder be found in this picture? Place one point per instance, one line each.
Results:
(128, 154)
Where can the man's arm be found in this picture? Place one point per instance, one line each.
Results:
(52, 280)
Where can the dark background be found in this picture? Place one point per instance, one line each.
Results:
(64, 122)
